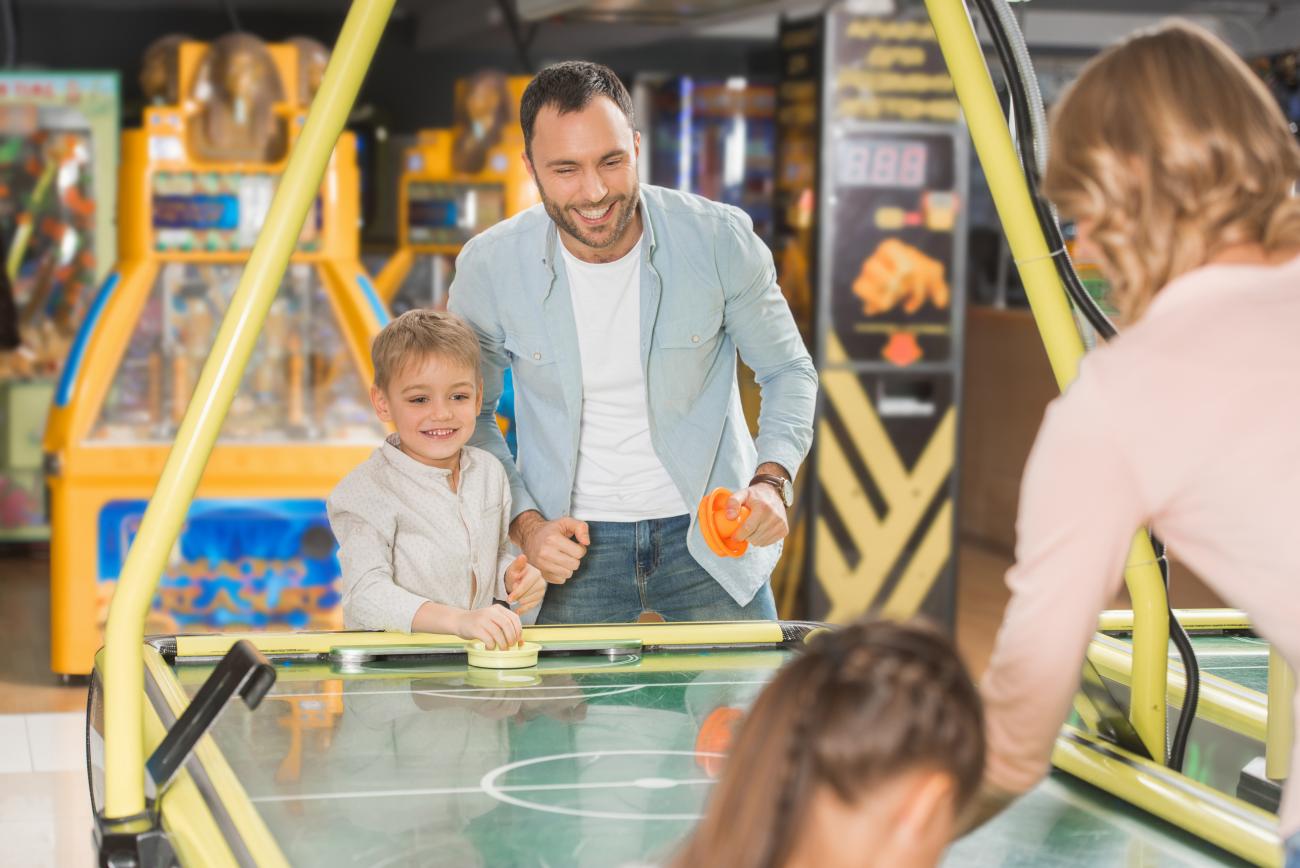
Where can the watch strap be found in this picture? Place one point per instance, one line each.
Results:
(780, 483)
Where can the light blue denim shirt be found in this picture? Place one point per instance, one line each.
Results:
(708, 289)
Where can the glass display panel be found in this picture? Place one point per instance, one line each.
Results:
(301, 383)
(425, 285)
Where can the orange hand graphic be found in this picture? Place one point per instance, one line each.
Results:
(899, 273)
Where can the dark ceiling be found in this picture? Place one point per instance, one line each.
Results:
(429, 43)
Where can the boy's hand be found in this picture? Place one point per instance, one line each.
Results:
(554, 547)
(524, 585)
(496, 626)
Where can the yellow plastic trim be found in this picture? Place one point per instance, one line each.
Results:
(1280, 715)
(1222, 702)
(252, 829)
(1234, 825)
(1120, 620)
(698, 633)
(189, 824)
(123, 670)
(736, 660)
(1047, 299)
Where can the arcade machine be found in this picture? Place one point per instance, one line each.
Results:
(58, 155)
(196, 181)
(886, 192)
(456, 183)
(717, 139)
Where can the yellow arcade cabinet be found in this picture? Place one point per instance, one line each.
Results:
(196, 181)
(455, 183)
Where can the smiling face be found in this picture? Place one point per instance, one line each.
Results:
(433, 402)
(584, 163)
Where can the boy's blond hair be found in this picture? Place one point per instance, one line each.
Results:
(419, 333)
(1171, 149)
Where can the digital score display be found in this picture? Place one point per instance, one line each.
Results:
(913, 163)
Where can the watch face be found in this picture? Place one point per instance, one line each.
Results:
(787, 492)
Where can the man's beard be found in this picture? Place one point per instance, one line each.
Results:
(625, 212)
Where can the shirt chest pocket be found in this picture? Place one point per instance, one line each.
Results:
(534, 367)
(686, 346)
(691, 331)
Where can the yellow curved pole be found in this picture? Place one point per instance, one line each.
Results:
(1048, 300)
(123, 654)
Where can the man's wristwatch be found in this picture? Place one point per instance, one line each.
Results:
(780, 483)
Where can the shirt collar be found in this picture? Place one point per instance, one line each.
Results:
(416, 470)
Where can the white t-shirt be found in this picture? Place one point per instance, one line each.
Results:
(619, 477)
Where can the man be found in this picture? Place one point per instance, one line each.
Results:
(619, 309)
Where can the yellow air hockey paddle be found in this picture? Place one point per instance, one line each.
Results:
(516, 657)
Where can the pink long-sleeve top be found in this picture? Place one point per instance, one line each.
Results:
(1189, 423)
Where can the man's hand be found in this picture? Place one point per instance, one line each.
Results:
(524, 584)
(496, 626)
(554, 547)
(767, 522)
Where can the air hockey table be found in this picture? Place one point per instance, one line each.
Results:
(388, 749)
(1235, 727)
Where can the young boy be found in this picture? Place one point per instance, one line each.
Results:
(422, 524)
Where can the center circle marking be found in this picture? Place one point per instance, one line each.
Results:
(489, 784)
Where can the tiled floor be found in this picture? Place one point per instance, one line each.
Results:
(45, 816)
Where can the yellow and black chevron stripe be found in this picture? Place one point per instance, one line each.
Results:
(883, 530)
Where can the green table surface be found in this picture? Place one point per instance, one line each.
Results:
(1238, 658)
(584, 761)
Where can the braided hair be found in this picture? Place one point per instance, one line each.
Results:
(861, 705)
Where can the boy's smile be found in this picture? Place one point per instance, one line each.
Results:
(433, 402)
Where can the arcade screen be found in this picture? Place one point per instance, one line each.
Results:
(218, 211)
(451, 213)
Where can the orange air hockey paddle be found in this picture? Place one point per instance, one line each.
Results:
(717, 528)
(715, 737)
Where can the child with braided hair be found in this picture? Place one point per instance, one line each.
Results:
(861, 751)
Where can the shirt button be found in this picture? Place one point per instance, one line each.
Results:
(695, 339)
(537, 357)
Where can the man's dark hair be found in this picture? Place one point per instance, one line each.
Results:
(570, 87)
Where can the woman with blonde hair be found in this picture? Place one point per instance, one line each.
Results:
(1180, 173)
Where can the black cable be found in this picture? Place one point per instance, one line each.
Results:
(1017, 93)
(1097, 318)
(11, 33)
(522, 40)
(228, 6)
(1191, 668)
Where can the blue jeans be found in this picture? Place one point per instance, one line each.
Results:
(1292, 845)
(633, 567)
